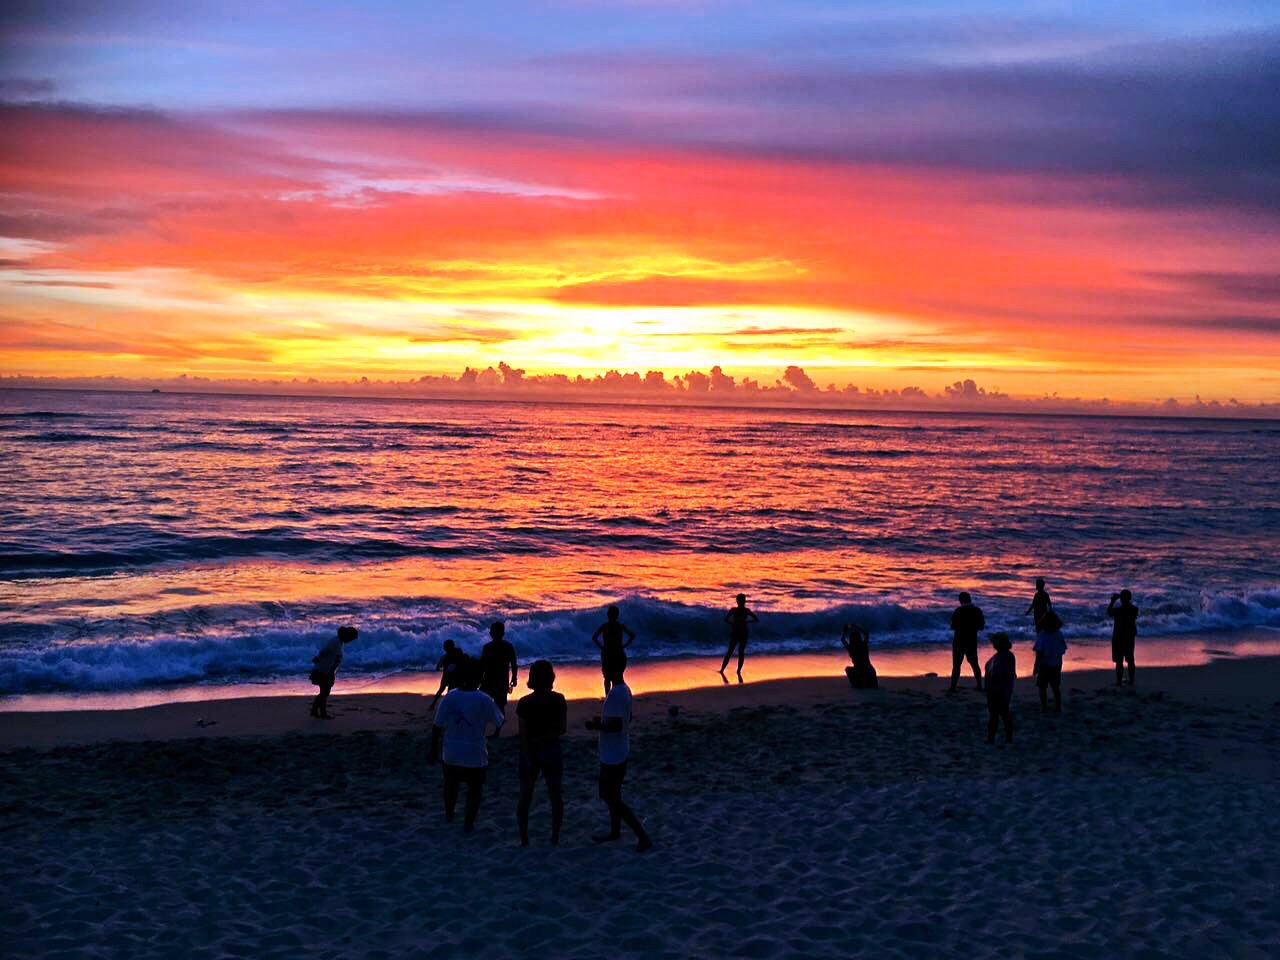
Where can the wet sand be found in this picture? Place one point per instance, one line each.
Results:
(792, 818)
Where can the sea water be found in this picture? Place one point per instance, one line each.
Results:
(193, 539)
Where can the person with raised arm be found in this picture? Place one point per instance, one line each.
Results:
(857, 642)
(614, 724)
(460, 724)
(967, 622)
(738, 618)
(612, 637)
(1124, 634)
(542, 715)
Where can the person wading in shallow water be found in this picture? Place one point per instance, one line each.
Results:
(499, 672)
(542, 715)
(1124, 634)
(738, 619)
(325, 671)
(448, 665)
(614, 724)
(966, 623)
(609, 637)
(1040, 603)
(460, 722)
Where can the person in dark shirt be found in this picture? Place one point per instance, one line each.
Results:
(498, 670)
(448, 666)
(738, 618)
(1040, 603)
(1124, 634)
(1002, 671)
(857, 641)
(966, 622)
(612, 637)
(542, 715)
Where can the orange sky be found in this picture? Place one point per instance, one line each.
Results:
(284, 244)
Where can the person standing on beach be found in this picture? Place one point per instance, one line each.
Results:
(460, 723)
(967, 622)
(1002, 671)
(613, 648)
(1050, 647)
(738, 618)
(542, 715)
(614, 724)
(1040, 603)
(1124, 634)
(499, 672)
(325, 671)
(448, 666)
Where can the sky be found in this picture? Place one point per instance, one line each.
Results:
(1080, 200)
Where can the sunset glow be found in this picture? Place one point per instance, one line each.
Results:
(911, 202)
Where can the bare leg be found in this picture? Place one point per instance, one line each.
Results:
(522, 810)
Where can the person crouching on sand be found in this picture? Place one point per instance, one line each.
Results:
(542, 716)
(738, 618)
(614, 724)
(460, 722)
(325, 671)
(857, 641)
(1001, 672)
(1050, 646)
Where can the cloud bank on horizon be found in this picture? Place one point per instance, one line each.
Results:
(1080, 200)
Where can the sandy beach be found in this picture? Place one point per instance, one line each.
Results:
(791, 817)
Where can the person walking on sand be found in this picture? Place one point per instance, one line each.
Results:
(1002, 671)
(967, 622)
(1050, 647)
(448, 667)
(542, 715)
(460, 723)
(738, 618)
(325, 671)
(614, 724)
(1040, 603)
(1124, 634)
(609, 637)
(498, 669)
(857, 641)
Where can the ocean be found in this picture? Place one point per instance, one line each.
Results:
(153, 540)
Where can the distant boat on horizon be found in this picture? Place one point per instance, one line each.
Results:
(155, 389)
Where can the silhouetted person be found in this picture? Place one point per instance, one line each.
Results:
(1040, 603)
(542, 715)
(1050, 647)
(614, 724)
(448, 667)
(612, 637)
(460, 722)
(1002, 671)
(1124, 634)
(498, 669)
(856, 640)
(967, 622)
(738, 618)
(325, 671)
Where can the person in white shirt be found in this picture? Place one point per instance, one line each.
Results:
(1050, 646)
(460, 722)
(325, 672)
(614, 724)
